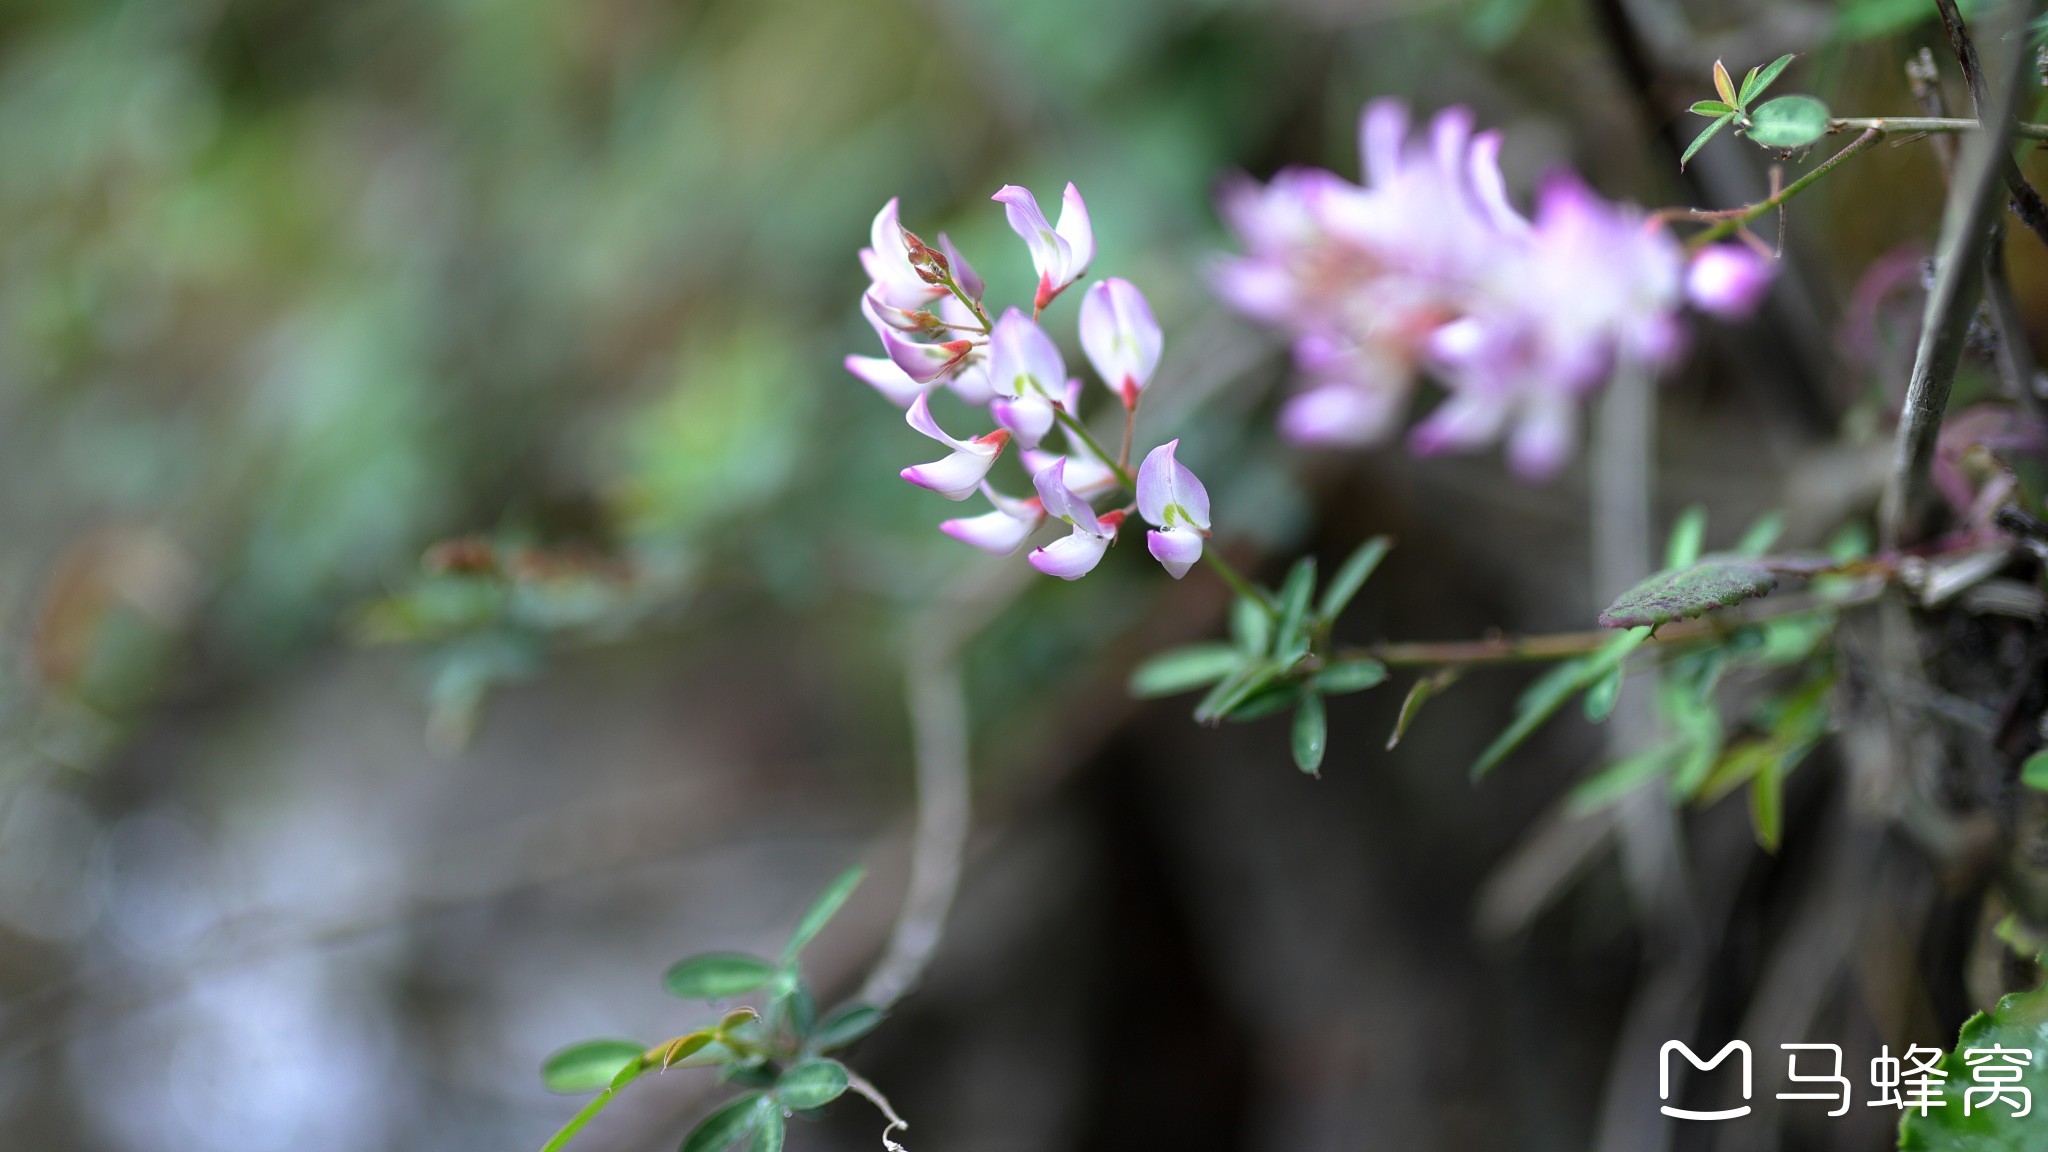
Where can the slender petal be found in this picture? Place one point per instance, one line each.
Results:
(963, 273)
(957, 475)
(1072, 556)
(1176, 549)
(1060, 501)
(1059, 253)
(1121, 337)
(882, 374)
(925, 363)
(1029, 416)
(1075, 228)
(887, 261)
(1002, 531)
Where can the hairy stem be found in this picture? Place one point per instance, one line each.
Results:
(1909, 125)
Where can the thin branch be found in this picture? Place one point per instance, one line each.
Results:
(939, 733)
(1727, 222)
(1934, 125)
(858, 1083)
(1965, 237)
(2026, 202)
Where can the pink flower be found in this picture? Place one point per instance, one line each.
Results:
(957, 475)
(1060, 253)
(1026, 374)
(1003, 531)
(1728, 280)
(1120, 336)
(887, 261)
(1171, 497)
(1078, 554)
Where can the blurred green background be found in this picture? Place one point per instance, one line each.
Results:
(306, 847)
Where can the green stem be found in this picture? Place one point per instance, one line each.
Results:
(973, 305)
(1235, 579)
(1726, 223)
(1911, 124)
(1080, 432)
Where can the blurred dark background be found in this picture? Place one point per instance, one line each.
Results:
(305, 850)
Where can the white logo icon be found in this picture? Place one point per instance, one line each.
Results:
(1664, 1079)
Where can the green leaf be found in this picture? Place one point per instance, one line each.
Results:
(1724, 85)
(1419, 694)
(1712, 108)
(1235, 689)
(1251, 626)
(795, 1012)
(1602, 694)
(568, 1131)
(1700, 141)
(1753, 85)
(1788, 122)
(2034, 773)
(822, 910)
(1610, 784)
(1543, 698)
(1767, 809)
(730, 1124)
(1184, 670)
(1274, 698)
(812, 1084)
(1311, 734)
(1687, 532)
(683, 1047)
(1290, 641)
(2020, 1022)
(846, 1024)
(1348, 676)
(1761, 535)
(717, 975)
(1715, 581)
(589, 1066)
(769, 1135)
(1351, 577)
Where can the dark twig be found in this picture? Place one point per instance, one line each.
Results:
(2026, 202)
(1966, 229)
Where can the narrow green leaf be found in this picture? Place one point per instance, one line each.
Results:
(1753, 85)
(1607, 786)
(812, 1084)
(1251, 626)
(1273, 699)
(1767, 809)
(1348, 676)
(1759, 537)
(1788, 122)
(1714, 581)
(1700, 141)
(588, 1066)
(1311, 734)
(846, 1024)
(732, 1123)
(1295, 595)
(1602, 693)
(1711, 108)
(822, 910)
(1184, 669)
(2034, 773)
(717, 975)
(1549, 692)
(1351, 577)
(1687, 533)
(1723, 84)
(1419, 694)
(1235, 689)
(768, 1136)
(684, 1047)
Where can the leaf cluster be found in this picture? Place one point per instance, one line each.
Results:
(1784, 123)
(778, 1053)
(1279, 657)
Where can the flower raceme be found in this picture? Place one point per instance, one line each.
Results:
(1427, 268)
(926, 307)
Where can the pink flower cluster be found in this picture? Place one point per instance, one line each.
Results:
(925, 305)
(1428, 268)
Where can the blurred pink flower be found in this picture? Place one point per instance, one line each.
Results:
(1120, 336)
